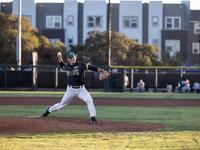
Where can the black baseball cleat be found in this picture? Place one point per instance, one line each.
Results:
(93, 120)
(46, 112)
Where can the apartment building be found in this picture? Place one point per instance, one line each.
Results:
(70, 22)
(50, 21)
(155, 24)
(171, 27)
(28, 10)
(175, 32)
(195, 37)
(130, 19)
(6, 8)
(94, 16)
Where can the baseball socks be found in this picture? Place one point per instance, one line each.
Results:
(93, 120)
(46, 112)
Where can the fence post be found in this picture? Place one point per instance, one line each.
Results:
(111, 79)
(180, 78)
(56, 78)
(122, 80)
(108, 80)
(5, 78)
(32, 81)
(155, 80)
(131, 80)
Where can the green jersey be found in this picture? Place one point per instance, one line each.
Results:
(76, 73)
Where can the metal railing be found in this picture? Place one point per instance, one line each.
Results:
(145, 67)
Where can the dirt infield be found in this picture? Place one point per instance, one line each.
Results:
(103, 102)
(35, 124)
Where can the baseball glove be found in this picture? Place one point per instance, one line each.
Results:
(103, 75)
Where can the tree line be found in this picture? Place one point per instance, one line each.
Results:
(124, 51)
(31, 41)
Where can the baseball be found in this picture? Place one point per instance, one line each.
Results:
(59, 54)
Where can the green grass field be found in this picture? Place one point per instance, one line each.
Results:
(183, 122)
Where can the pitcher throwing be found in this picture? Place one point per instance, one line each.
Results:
(75, 85)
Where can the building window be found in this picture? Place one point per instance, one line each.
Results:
(155, 42)
(70, 20)
(53, 21)
(155, 21)
(195, 48)
(172, 23)
(70, 42)
(95, 21)
(53, 41)
(130, 21)
(197, 28)
(172, 45)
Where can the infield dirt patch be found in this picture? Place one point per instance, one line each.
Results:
(59, 124)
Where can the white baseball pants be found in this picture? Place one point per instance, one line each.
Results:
(82, 93)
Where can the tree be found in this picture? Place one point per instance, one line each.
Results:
(175, 60)
(125, 51)
(128, 52)
(145, 55)
(96, 47)
(48, 53)
(120, 47)
(79, 50)
(31, 41)
(94, 50)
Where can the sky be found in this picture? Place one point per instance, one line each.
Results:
(194, 4)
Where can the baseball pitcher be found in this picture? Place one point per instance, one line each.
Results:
(75, 85)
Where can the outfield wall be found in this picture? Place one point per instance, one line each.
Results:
(46, 79)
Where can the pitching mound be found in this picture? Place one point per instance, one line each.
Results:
(34, 124)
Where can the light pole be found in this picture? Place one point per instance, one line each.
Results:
(109, 35)
(18, 41)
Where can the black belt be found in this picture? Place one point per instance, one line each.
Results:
(75, 87)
